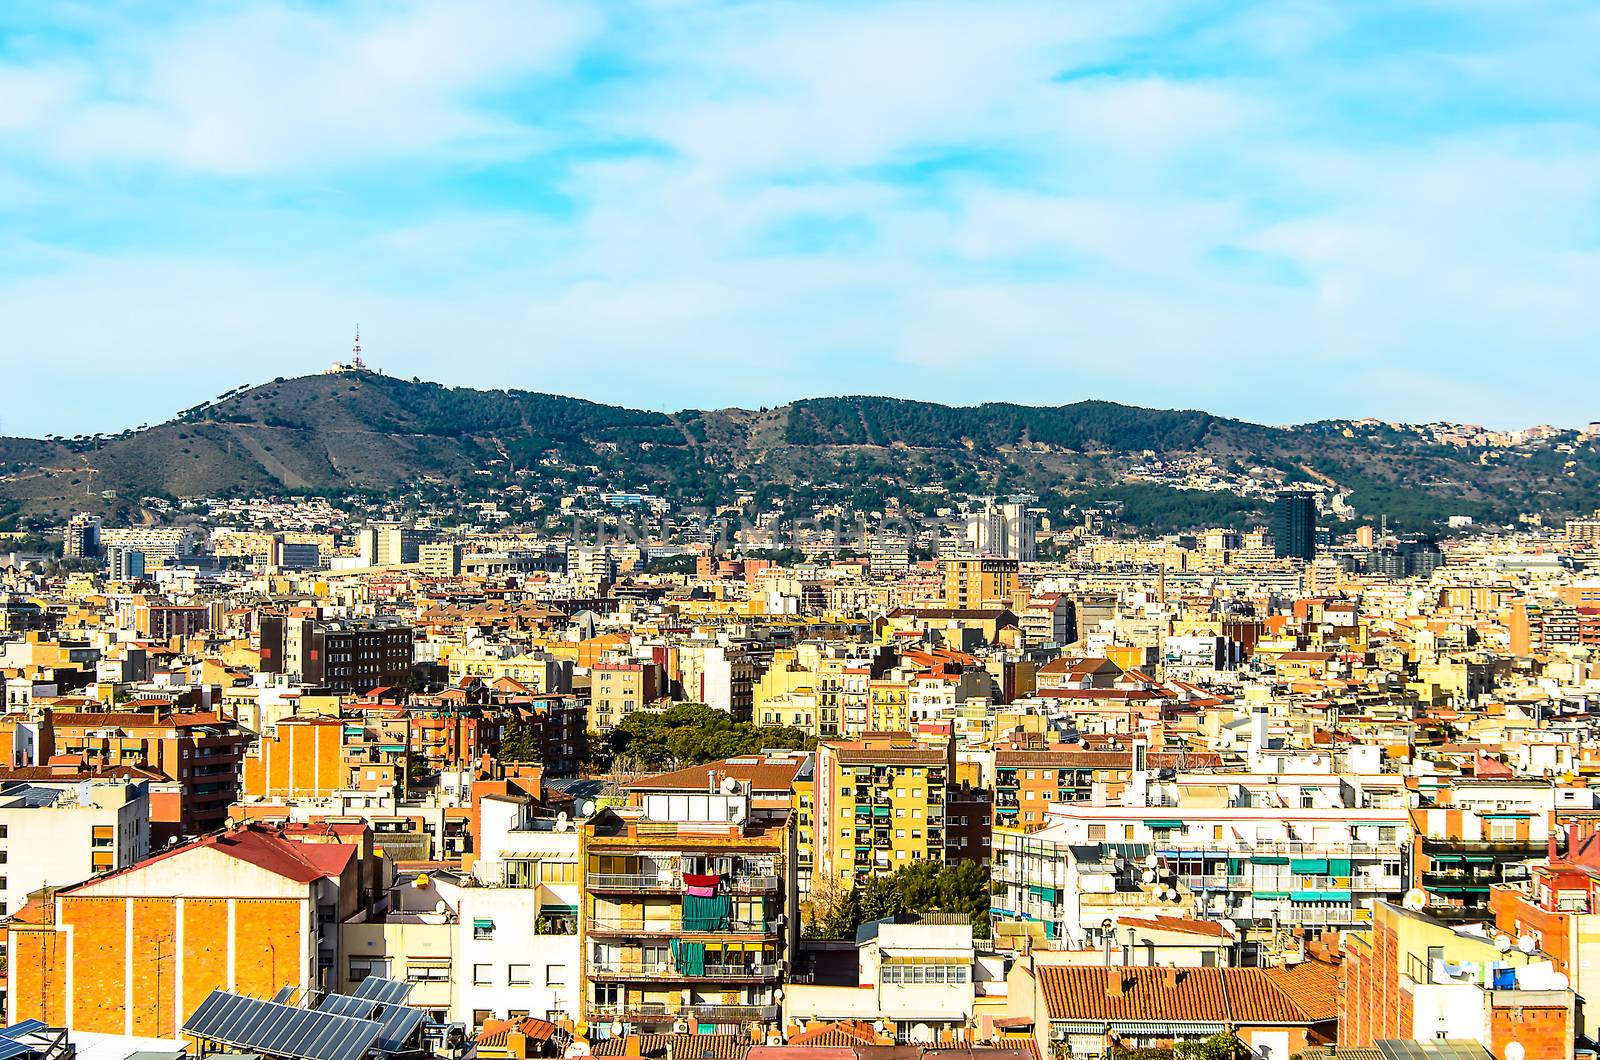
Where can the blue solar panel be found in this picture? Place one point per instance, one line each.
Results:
(281, 1030)
(345, 1005)
(383, 991)
(399, 1023)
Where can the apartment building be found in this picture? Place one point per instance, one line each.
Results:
(1265, 851)
(55, 836)
(1413, 976)
(979, 584)
(617, 689)
(881, 804)
(343, 657)
(686, 919)
(197, 755)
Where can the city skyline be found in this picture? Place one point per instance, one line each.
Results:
(1161, 204)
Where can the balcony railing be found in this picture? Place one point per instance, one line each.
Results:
(672, 928)
(659, 883)
(717, 972)
(672, 883)
(654, 1011)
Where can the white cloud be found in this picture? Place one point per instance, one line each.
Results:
(274, 89)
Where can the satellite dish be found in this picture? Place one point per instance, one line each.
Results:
(440, 907)
(421, 882)
(616, 1029)
(1149, 876)
(1415, 900)
(1151, 861)
(562, 821)
(1502, 943)
(1525, 943)
(1515, 1051)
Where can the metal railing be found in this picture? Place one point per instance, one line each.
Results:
(640, 970)
(676, 927)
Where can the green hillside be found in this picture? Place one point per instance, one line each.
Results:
(380, 436)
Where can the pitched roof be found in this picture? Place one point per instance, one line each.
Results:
(841, 1034)
(681, 1046)
(262, 847)
(1313, 985)
(1180, 924)
(760, 772)
(1198, 995)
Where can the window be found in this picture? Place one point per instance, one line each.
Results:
(480, 1016)
(520, 974)
(558, 872)
(362, 967)
(519, 873)
(482, 974)
(428, 973)
(483, 929)
(1097, 832)
(555, 975)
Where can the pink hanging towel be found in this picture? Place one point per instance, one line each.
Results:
(700, 892)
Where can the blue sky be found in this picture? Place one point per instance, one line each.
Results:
(1279, 211)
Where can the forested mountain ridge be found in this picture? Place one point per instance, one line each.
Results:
(377, 435)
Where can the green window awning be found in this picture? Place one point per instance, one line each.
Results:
(880, 811)
(1481, 859)
(1309, 866)
(483, 925)
(1338, 866)
(1265, 860)
(1443, 859)
(1319, 896)
(1048, 894)
(1269, 894)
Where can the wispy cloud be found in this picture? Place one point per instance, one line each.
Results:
(1283, 210)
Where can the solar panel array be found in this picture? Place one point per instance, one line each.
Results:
(281, 1030)
(399, 1023)
(284, 995)
(383, 991)
(345, 1005)
(11, 1039)
(1433, 1049)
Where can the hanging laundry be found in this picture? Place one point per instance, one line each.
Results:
(693, 879)
(700, 892)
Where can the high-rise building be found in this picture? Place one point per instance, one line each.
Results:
(124, 564)
(81, 539)
(971, 584)
(1294, 525)
(1004, 530)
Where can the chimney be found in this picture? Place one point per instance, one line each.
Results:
(1116, 984)
(1171, 977)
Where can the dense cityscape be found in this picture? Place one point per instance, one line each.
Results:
(325, 777)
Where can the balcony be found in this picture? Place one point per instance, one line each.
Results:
(670, 929)
(1510, 848)
(665, 882)
(651, 1011)
(665, 971)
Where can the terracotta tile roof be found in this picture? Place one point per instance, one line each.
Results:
(261, 847)
(1201, 995)
(496, 1034)
(762, 774)
(842, 1034)
(681, 1046)
(1209, 928)
(1313, 985)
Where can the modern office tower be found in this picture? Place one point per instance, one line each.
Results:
(1294, 525)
